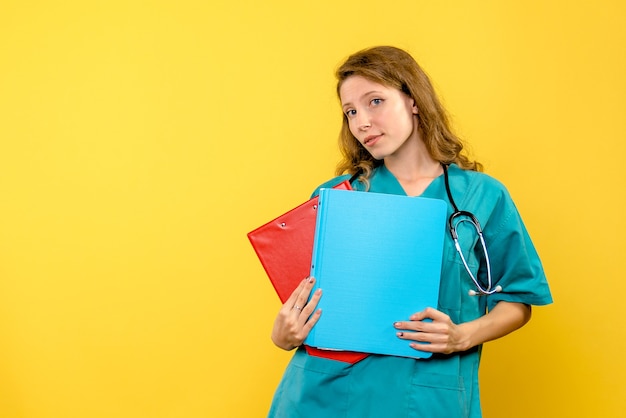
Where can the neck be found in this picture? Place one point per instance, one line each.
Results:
(414, 168)
(413, 161)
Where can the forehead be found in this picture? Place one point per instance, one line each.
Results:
(356, 86)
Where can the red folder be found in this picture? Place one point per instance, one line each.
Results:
(284, 247)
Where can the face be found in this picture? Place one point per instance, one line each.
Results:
(381, 118)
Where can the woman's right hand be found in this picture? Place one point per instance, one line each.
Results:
(296, 317)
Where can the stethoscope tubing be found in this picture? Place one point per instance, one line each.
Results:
(465, 216)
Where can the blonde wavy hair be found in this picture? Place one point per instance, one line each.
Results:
(394, 67)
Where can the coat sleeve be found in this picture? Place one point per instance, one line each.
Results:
(515, 264)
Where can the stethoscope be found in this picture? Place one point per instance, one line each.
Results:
(463, 216)
(458, 217)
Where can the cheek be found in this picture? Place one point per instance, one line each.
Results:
(404, 120)
(353, 129)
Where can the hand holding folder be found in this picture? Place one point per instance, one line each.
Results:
(284, 246)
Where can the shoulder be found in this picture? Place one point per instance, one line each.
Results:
(330, 183)
(477, 183)
(475, 178)
(486, 197)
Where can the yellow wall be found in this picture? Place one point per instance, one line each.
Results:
(141, 140)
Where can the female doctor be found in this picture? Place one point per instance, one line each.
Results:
(396, 139)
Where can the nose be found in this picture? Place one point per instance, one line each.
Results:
(363, 121)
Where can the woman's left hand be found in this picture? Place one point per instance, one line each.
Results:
(441, 334)
(444, 336)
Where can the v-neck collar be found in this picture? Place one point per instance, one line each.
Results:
(383, 181)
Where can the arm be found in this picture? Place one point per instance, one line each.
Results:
(296, 317)
(447, 337)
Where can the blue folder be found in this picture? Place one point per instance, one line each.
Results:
(377, 258)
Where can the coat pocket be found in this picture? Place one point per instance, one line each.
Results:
(306, 385)
(436, 395)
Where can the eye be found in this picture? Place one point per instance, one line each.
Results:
(376, 102)
(350, 113)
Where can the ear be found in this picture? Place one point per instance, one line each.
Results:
(414, 107)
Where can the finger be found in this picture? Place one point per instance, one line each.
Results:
(415, 325)
(429, 348)
(413, 336)
(423, 337)
(420, 341)
(312, 302)
(429, 313)
(312, 320)
(304, 315)
(428, 326)
(295, 294)
(432, 347)
(305, 293)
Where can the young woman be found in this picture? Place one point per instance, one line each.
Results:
(396, 139)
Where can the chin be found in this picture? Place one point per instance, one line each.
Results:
(379, 156)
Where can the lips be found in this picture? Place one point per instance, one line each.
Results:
(371, 139)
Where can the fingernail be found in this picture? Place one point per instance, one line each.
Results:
(400, 334)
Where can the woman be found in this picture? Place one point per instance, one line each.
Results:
(396, 139)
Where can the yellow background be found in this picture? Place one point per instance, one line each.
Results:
(141, 140)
